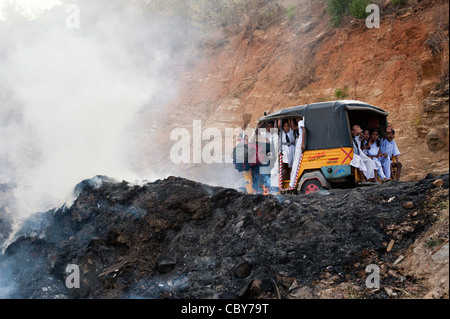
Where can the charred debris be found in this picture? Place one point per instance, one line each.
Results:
(175, 238)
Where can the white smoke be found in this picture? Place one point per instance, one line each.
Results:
(70, 96)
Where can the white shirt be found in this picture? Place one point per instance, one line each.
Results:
(300, 131)
(288, 150)
(272, 137)
(290, 135)
(373, 150)
(390, 148)
(357, 145)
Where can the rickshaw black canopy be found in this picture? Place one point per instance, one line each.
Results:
(327, 123)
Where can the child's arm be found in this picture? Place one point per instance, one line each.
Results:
(360, 133)
(365, 147)
(291, 124)
(303, 139)
(383, 148)
(396, 153)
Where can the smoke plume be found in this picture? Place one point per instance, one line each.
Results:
(73, 81)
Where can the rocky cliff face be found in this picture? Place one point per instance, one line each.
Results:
(433, 125)
(401, 67)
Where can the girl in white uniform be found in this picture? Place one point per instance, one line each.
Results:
(365, 141)
(287, 144)
(360, 160)
(287, 148)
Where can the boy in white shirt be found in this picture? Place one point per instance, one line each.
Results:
(390, 151)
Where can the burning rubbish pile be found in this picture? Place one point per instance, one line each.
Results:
(176, 238)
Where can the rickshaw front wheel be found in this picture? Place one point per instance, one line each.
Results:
(311, 186)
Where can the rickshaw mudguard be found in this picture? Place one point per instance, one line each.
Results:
(314, 175)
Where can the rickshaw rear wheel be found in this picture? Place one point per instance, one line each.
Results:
(311, 186)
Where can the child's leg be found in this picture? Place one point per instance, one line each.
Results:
(362, 177)
(376, 176)
(381, 174)
(386, 164)
(286, 171)
(379, 169)
(399, 170)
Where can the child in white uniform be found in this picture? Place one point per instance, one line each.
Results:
(390, 151)
(360, 160)
(374, 153)
(287, 148)
(300, 144)
(365, 141)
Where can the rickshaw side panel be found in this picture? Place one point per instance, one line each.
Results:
(315, 160)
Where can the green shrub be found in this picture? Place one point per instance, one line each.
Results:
(398, 2)
(341, 94)
(337, 9)
(357, 8)
(290, 10)
(432, 243)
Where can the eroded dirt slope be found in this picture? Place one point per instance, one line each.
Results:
(401, 67)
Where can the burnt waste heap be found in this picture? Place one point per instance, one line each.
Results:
(175, 238)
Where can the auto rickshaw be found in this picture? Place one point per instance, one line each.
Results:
(326, 161)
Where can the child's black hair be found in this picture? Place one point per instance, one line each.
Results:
(269, 123)
(364, 142)
(378, 139)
